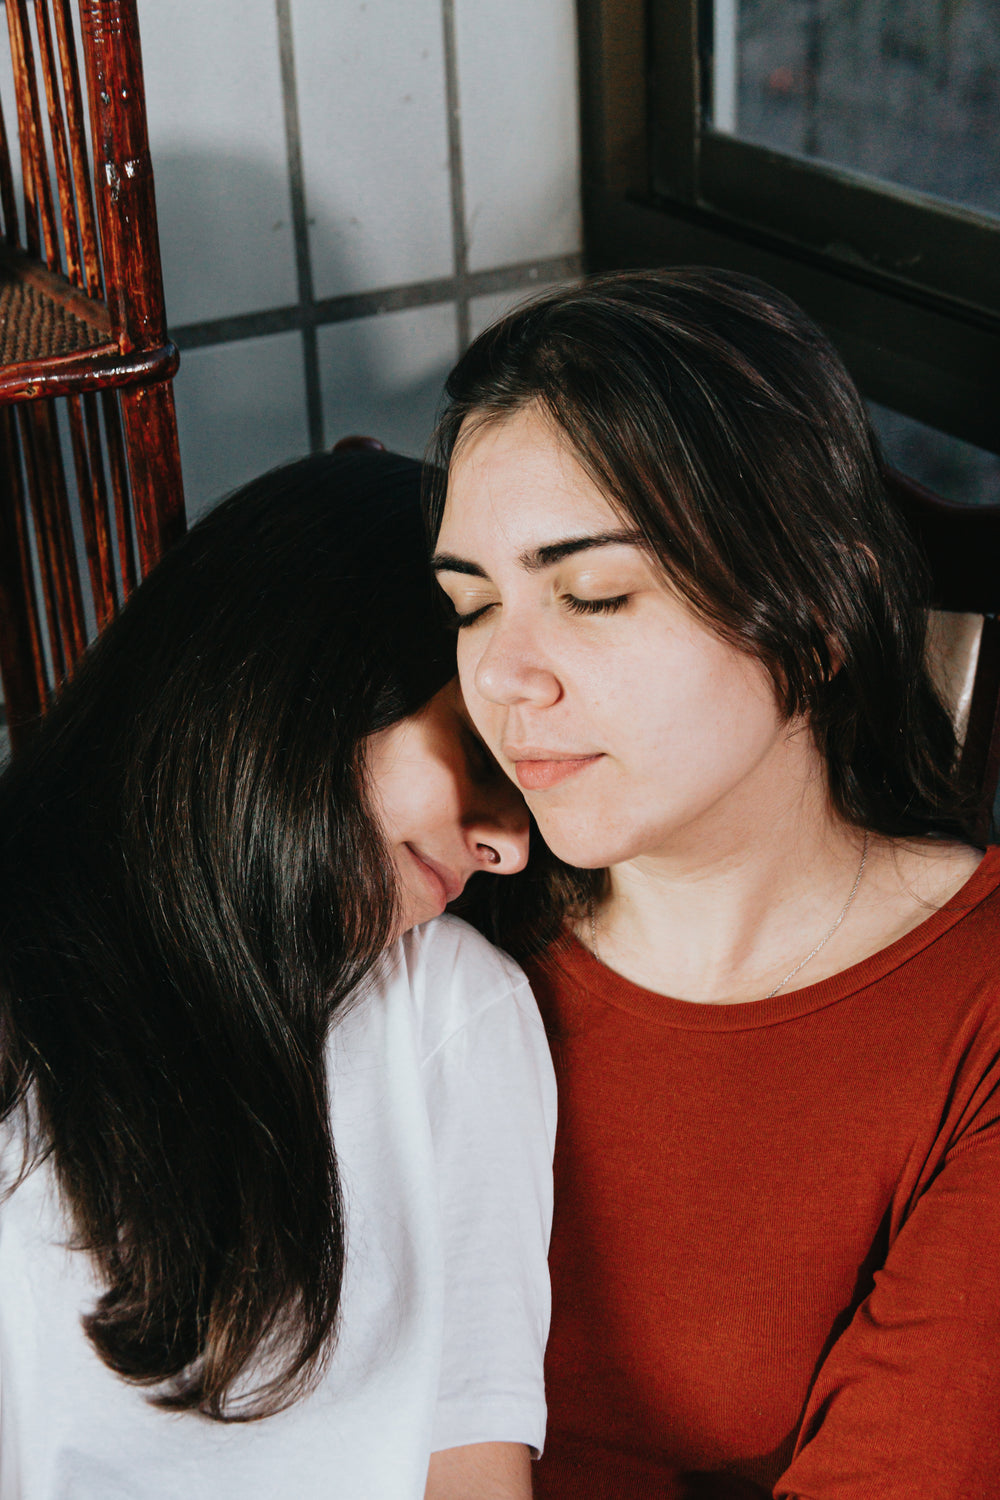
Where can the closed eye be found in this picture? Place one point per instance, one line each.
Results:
(595, 606)
(459, 621)
(609, 606)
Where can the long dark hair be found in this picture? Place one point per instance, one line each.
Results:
(190, 885)
(722, 423)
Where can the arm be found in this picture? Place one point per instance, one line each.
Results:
(907, 1401)
(480, 1471)
(491, 1101)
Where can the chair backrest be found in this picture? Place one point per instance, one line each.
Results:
(90, 485)
(961, 544)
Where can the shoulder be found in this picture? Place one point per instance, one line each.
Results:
(935, 906)
(932, 872)
(453, 978)
(960, 890)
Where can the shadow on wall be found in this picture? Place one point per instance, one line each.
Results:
(242, 403)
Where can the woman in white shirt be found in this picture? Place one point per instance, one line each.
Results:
(276, 1157)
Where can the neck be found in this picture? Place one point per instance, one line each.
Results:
(728, 911)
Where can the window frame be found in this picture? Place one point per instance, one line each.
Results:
(907, 287)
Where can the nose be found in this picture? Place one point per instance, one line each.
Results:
(497, 831)
(511, 669)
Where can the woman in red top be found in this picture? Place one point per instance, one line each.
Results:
(690, 629)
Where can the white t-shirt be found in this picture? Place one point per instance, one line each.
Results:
(443, 1105)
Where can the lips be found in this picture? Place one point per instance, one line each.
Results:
(446, 885)
(537, 773)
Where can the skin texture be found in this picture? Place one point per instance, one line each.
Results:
(648, 745)
(480, 1471)
(444, 806)
(594, 684)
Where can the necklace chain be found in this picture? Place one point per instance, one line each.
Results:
(826, 938)
(591, 912)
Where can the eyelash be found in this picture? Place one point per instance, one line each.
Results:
(458, 622)
(596, 606)
(575, 606)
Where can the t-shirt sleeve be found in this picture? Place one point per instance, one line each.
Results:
(907, 1402)
(491, 1100)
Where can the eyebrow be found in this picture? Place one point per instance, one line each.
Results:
(544, 557)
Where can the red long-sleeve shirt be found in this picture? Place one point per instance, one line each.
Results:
(776, 1248)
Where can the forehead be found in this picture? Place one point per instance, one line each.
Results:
(517, 481)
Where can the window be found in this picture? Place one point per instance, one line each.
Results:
(845, 150)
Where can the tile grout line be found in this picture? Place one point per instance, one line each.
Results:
(460, 244)
(300, 226)
(524, 275)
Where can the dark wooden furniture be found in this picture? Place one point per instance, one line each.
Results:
(90, 482)
(962, 546)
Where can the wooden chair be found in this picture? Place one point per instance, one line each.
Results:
(89, 461)
(962, 546)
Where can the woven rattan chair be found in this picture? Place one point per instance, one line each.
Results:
(89, 464)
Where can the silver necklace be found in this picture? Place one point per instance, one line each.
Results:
(592, 913)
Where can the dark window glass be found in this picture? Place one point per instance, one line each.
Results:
(907, 91)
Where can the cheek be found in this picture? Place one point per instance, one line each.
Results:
(697, 711)
(435, 798)
(446, 792)
(467, 657)
(481, 711)
(409, 804)
(446, 797)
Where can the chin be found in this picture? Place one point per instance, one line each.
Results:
(598, 842)
(574, 847)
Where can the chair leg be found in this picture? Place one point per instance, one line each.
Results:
(155, 469)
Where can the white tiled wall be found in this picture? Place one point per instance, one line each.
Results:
(216, 134)
(240, 410)
(384, 375)
(367, 100)
(518, 85)
(371, 87)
